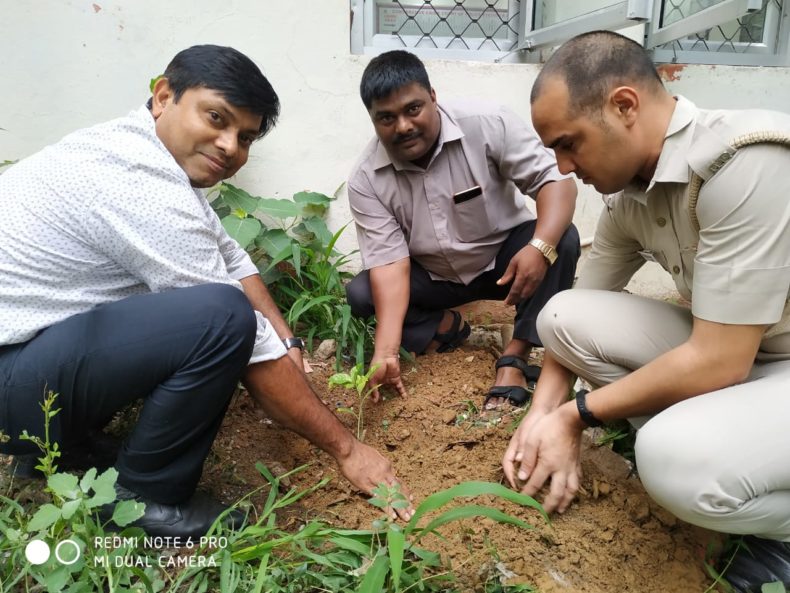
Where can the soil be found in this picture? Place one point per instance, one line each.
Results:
(613, 538)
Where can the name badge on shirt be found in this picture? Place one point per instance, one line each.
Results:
(648, 255)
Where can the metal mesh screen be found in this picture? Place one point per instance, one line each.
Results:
(450, 24)
(742, 35)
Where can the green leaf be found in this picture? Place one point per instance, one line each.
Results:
(45, 516)
(318, 227)
(57, 579)
(374, 577)
(238, 199)
(395, 544)
(278, 208)
(296, 258)
(342, 379)
(64, 485)
(273, 241)
(467, 511)
(152, 82)
(87, 480)
(103, 488)
(469, 489)
(775, 587)
(127, 511)
(351, 544)
(311, 197)
(69, 508)
(243, 230)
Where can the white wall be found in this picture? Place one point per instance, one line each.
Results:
(72, 63)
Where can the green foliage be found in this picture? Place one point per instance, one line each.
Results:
(356, 380)
(294, 250)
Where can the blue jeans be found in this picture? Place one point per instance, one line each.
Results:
(181, 351)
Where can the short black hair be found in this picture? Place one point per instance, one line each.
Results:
(388, 72)
(592, 63)
(231, 73)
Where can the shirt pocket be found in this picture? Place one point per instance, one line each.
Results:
(470, 219)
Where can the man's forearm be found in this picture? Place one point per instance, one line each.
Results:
(555, 204)
(389, 285)
(553, 385)
(262, 301)
(285, 395)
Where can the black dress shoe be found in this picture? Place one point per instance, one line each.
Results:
(757, 562)
(98, 450)
(190, 519)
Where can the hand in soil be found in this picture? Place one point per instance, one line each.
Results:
(387, 375)
(366, 468)
(545, 447)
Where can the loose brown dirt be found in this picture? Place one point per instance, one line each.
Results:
(613, 538)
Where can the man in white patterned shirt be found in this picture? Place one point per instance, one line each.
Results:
(118, 283)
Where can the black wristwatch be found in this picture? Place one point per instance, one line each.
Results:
(586, 415)
(293, 343)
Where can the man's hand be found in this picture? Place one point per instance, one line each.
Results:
(366, 468)
(526, 270)
(547, 448)
(387, 374)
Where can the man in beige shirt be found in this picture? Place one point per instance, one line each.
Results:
(708, 386)
(441, 221)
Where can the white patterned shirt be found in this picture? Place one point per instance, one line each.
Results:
(104, 214)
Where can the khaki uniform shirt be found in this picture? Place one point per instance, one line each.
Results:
(736, 269)
(401, 210)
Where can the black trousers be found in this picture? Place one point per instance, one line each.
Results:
(182, 351)
(429, 298)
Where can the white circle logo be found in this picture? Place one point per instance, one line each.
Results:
(37, 552)
(67, 561)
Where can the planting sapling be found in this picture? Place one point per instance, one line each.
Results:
(358, 381)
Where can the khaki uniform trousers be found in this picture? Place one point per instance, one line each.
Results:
(720, 460)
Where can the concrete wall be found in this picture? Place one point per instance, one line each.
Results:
(71, 63)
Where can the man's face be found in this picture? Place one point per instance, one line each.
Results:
(209, 138)
(407, 122)
(598, 149)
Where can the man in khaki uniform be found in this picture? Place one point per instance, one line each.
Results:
(708, 386)
(441, 221)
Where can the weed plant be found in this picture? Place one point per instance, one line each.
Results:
(357, 381)
(294, 250)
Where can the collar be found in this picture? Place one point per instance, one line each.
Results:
(673, 164)
(448, 132)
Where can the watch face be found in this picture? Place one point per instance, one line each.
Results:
(294, 343)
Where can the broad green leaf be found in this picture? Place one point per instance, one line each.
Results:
(311, 197)
(374, 577)
(55, 580)
(127, 511)
(45, 516)
(243, 230)
(342, 379)
(351, 544)
(318, 227)
(237, 198)
(273, 241)
(395, 544)
(64, 485)
(87, 480)
(775, 587)
(69, 508)
(103, 488)
(469, 489)
(278, 208)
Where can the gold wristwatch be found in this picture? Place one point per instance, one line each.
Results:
(547, 250)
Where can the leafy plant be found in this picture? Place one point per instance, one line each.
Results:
(294, 250)
(356, 380)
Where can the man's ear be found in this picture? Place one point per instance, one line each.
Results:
(624, 102)
(163, 95)
(433, 96)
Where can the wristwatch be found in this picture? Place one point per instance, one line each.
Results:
(547, 250)
(293, 343)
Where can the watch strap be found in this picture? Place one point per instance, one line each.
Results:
(586, 415)
(548, 251)
(293, 342)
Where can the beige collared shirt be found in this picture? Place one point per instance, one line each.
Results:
(736, 270)
(401, 210)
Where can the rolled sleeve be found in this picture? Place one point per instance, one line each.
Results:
(742, 267)
(268, 345)
(380, 237)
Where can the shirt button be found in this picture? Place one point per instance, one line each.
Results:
(661, 222)
(676, 270)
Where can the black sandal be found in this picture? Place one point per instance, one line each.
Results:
(455, 336)
(518, 396)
